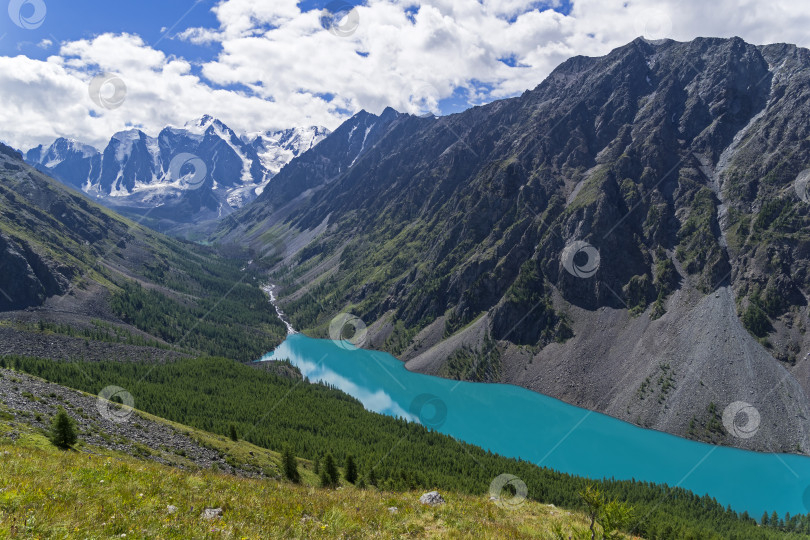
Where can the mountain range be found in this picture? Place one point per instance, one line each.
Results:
(184, 176)
(630, 236)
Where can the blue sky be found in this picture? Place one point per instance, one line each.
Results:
(157, 22)
(269, 64)
(70, 20)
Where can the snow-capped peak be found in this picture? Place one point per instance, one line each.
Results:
(277, 148)
(135, 167)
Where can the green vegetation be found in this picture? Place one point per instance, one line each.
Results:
(98, 331)
(290, 465)
(665, 383)
(636, 292)
(63, 430)
(698, 248)
(351, 469)
(479, 365)
(315, 420)
(48, 493)
(237, 321)
(709, 427)
(329, 473)
(612, 516)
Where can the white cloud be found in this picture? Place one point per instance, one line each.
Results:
(278, 67)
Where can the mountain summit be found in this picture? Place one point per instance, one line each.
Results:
(630, 236)
(135, 172)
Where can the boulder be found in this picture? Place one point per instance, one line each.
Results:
(212, 513)
(433, 498)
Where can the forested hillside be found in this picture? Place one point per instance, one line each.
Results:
(277, 412)
(69, 267)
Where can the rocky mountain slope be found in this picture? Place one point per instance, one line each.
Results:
(630, 236)
(185, 175)
(79, 281)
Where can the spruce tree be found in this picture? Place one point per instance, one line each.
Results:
(351, 469)
(330, 472)
(372, 477)
(232, 433)
(63, 430)
(290, 465)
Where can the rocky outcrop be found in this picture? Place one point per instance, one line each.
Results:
(33, 401)
(26, 278)
(654, 187)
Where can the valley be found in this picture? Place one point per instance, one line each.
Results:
(447, 234)
(576, 312)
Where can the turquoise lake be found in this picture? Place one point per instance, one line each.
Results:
(516, 422)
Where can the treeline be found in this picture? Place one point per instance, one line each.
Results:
(239, 323)
(204, 302)
(314, 420)
(100, 331)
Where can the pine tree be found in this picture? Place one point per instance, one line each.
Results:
(232, 433)
(351, 469)
(764, 520)
(63, 430)
(329, 474)
(290, 466)
(372, 478)
(316, 465)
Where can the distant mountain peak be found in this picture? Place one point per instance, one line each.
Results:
(133, 170)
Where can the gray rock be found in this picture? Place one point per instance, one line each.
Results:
(433, 498)
(212, 513)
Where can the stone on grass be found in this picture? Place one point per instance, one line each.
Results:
(212, 513)
(433, 498)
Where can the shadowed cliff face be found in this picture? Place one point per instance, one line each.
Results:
(642, 183)
(47, 235)
(26, 279)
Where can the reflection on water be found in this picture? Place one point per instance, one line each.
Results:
(519, 423)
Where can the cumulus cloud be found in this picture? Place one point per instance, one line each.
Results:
(277, 66)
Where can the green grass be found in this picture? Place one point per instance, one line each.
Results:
(271, 412)
(48, 493)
